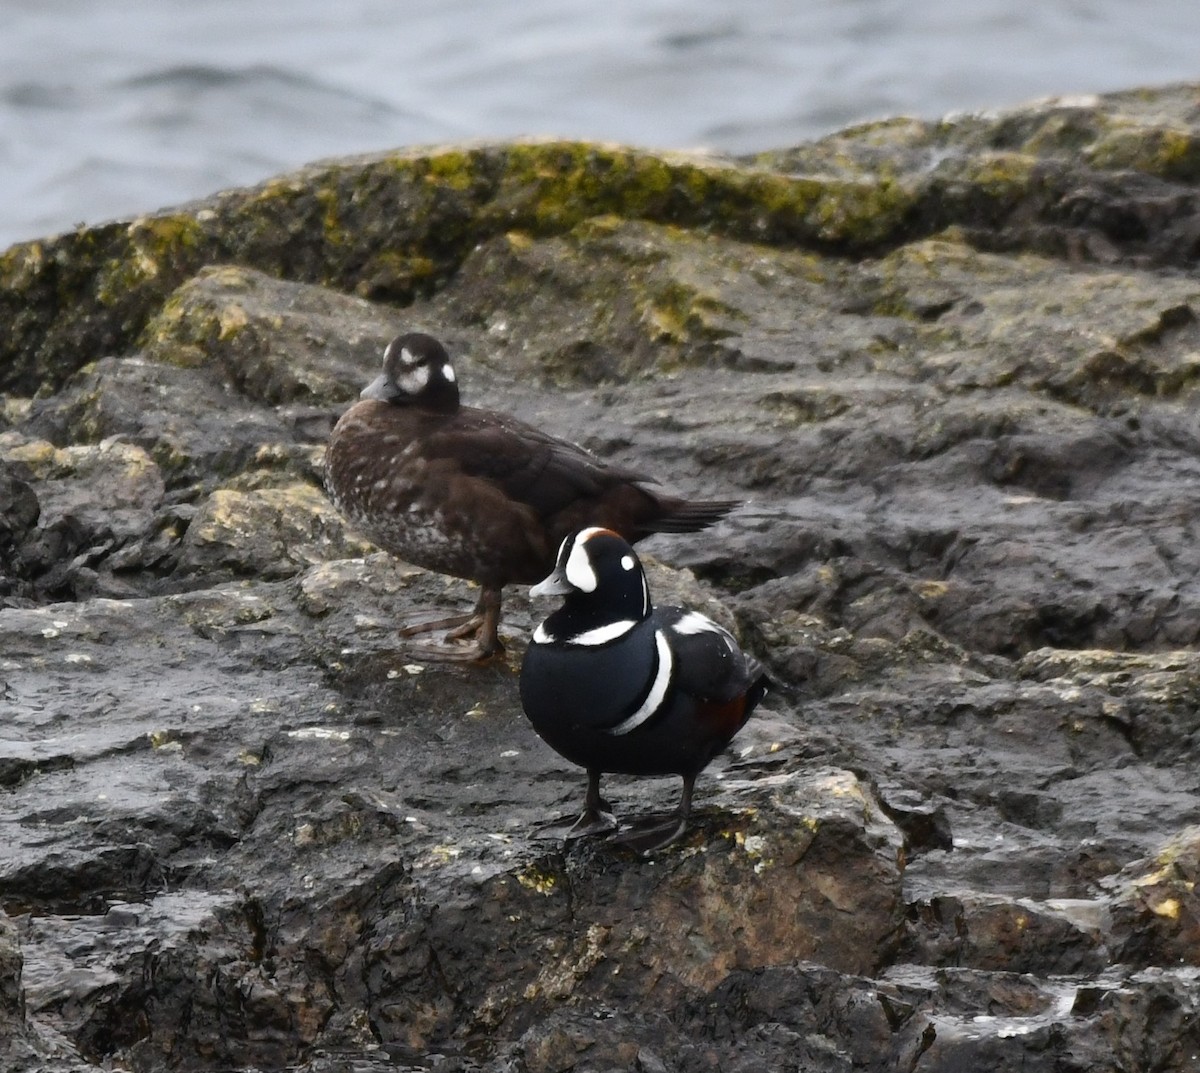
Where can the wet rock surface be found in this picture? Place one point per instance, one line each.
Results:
(951, 366)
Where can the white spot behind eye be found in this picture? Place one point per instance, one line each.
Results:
(448, 372)
(626, 562)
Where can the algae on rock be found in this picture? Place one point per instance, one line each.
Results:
(951, 366)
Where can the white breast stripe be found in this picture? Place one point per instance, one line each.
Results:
(662, 680)
(602, 634)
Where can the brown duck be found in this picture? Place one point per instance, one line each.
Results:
(478, 494)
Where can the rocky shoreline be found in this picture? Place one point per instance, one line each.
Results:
(951, 365)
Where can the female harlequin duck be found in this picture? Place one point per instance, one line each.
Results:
(616, 685)
(475, 493)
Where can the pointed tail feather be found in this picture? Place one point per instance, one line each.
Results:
(689, 516)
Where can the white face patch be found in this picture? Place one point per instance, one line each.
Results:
(413, 383)
(627, 562)
(579, 570)
(658, 690)
(448, 373)
(406, 356)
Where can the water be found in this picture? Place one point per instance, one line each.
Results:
(114, 107)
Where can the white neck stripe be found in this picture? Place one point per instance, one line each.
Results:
(658, 691)
(602, 634)
(598, 636)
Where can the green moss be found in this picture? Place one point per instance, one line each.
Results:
(804, 406)
(679, 313)
(20, 266)
(1066, 130)
(170, 460)
(861, 215)
(1167, 152)
(396, 226)
(453, 168)
(156, 245)
(538, 880)
(1002, 177)
(327, 198)
(580, 181)
(397, 275)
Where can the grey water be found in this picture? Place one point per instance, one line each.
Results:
(115, 107)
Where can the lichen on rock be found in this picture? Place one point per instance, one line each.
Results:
(952, 367)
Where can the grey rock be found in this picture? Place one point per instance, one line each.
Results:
(953, 368)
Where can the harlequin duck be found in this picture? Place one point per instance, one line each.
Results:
(617, 685)
(477, 494)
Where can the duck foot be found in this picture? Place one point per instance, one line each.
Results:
(651, 834)
(657, 832)
(452, 653)
(482, 624)
(596, 821)
(597, 817)
(468, 622)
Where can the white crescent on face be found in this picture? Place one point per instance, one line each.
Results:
(578, 570)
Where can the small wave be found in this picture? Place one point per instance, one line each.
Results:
(40, 95)
(194, 78)
(201, 76)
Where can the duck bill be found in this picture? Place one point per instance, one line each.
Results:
(554, 585)
(378, 389)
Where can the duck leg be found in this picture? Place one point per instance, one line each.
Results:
(597, 817)
(483, 624)
(657, 832)
(597, 813)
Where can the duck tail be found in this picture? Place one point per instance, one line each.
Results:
(690, 516)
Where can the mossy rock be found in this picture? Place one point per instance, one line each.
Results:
(270, 532)
(398, 225)
(274, 341)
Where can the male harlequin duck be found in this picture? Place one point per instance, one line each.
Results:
(477, 494)
(616, 685)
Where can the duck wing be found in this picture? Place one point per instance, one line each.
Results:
(709, 665)
(530, 466)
